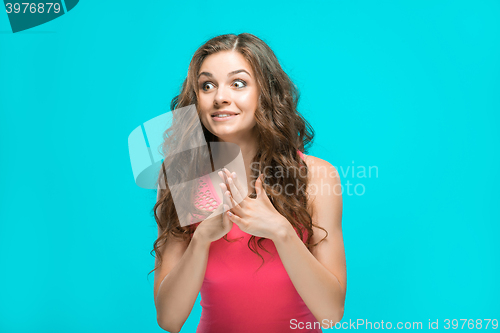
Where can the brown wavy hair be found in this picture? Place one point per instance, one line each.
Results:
(281, 131)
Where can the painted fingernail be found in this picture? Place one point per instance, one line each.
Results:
(234, 174)
(229, 213)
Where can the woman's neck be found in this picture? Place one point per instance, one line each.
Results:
(248, 151)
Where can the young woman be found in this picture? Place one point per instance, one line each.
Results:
(298, 281)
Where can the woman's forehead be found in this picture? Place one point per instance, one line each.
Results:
(224, 63)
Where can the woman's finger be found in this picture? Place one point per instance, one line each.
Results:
(223, 187)
(236, 194)
(225, 199)
(235, 207)
(235, 187)
(223, 176)
(228, 200)
(235, 219)
(239, 185)
(225, 218)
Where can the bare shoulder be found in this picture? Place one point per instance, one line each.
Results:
(321, 170)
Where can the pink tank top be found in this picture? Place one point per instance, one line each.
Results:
(236, 298)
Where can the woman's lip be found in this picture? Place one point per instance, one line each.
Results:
(215, 118)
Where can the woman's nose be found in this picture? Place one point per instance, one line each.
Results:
(222, 96)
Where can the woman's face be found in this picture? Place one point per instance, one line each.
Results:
(227, 85)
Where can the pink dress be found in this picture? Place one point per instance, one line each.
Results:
(235, 297)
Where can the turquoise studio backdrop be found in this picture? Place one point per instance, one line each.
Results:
(408, 88)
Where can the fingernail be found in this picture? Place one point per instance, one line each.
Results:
(234, 174)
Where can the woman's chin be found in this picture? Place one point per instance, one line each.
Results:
(224, 136)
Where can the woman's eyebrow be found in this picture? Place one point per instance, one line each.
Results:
(205, 73)
(238, 71)
(229, 74)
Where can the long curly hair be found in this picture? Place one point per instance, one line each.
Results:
(281, 130)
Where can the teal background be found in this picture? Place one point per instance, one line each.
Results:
(409, 87)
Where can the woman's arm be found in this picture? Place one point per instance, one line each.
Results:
(179, 279)
(319, 277)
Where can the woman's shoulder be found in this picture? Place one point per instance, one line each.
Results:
(310, 159)
(319, 168)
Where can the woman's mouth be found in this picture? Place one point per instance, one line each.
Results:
(224, 117)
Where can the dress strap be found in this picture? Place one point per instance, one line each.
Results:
(301, 154)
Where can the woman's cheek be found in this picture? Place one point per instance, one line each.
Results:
(248, 101)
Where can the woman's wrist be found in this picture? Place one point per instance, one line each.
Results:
(283, 229)
(199, 240)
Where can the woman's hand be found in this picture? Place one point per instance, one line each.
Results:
(215, 226)
(257, 216)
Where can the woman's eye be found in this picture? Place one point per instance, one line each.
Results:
(205, 85)
(240, 83)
